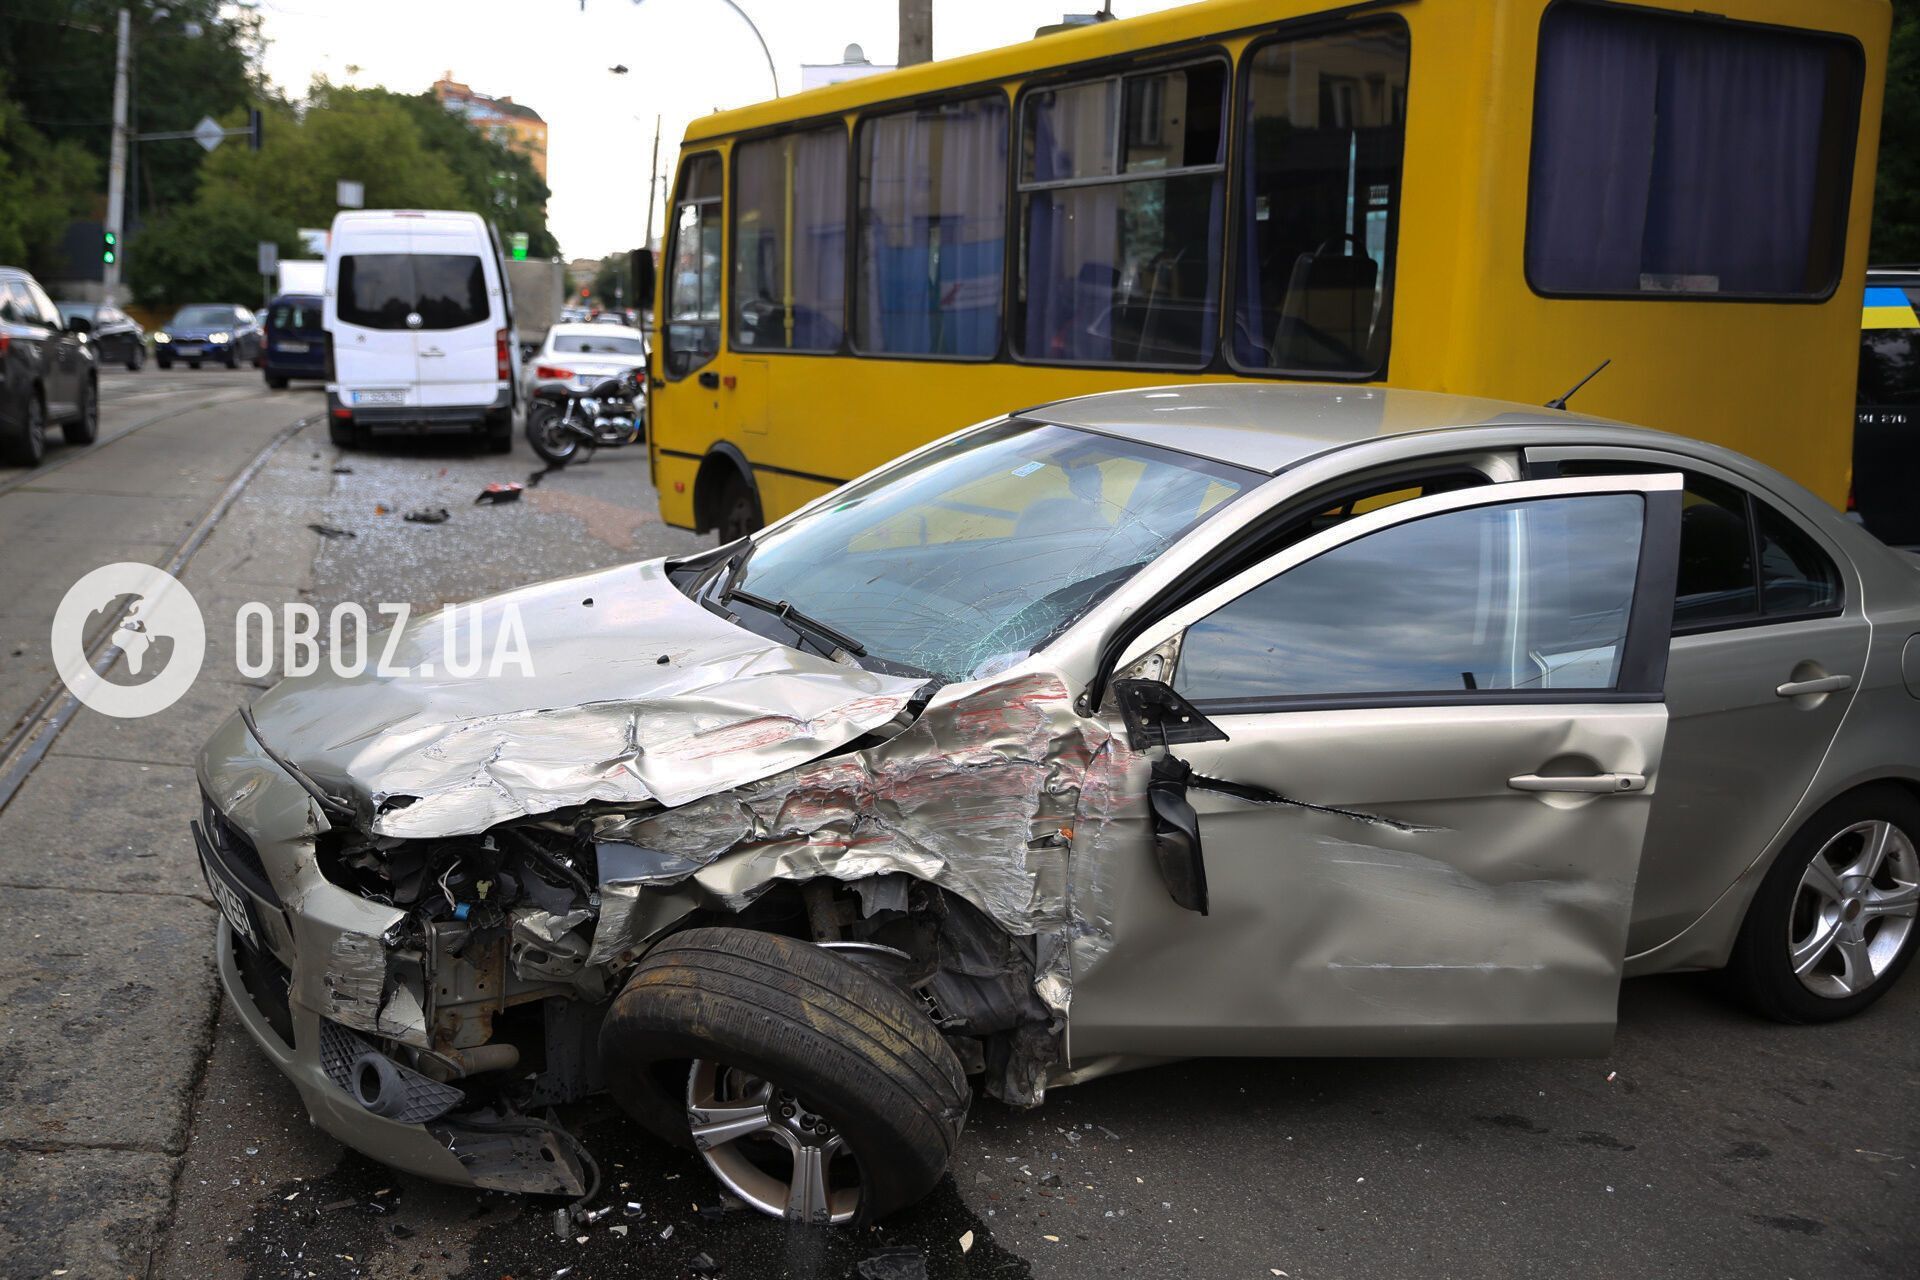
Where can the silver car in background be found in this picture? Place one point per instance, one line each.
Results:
(1223, 719)
(582, 355)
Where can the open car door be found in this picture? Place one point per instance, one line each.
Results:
(1407, 816)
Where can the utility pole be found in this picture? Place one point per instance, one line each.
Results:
(117, 160)
(916, 32)
(653, 183)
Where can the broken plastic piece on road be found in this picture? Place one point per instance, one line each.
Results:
(966, 1242)
(498, 493)
(702, 1264)
(428, 515)
(898, 1263)
(328, 531)
(343, 471)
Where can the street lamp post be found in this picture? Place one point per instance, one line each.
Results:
(751, 26)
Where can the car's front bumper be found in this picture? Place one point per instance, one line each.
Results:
(314, 988)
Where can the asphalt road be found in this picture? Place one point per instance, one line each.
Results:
(141, 1133)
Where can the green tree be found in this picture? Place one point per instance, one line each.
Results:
(613, 282)
(207, 251)
(43, 184)
(1896, 193)
(57, 58)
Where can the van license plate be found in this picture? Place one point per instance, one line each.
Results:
(290, 346)
(379, 397)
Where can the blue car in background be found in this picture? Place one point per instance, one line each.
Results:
(296, 345)
(222, 332)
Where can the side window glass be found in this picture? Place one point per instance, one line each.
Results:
(1715, 582)
(790, 241)
(693, 269)
(1516, 596)
(932, 221)
(49, 315)
(1795, 575)
(1326, 124)
(1122, 191)
(9, 309)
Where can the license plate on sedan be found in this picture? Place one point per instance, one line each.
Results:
(379, 397)
(188, 348)
(232, 902)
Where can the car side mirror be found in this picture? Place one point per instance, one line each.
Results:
(1156, 716)
(1176, 834)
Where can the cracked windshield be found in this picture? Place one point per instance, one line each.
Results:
(985, 549)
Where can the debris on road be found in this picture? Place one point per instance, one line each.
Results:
(328, 531)
(497, 493)
(428, 515)
(966, 1242)
(899, 1263)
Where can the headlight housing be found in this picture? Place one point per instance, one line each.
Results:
(163, 336)
(217, 338)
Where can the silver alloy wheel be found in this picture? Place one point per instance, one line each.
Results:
(769, 1148)
(1854, 910)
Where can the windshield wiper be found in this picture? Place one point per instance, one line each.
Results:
(800, 622)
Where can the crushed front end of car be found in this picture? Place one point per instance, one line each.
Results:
(450, 905)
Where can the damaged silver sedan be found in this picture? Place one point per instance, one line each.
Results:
(1198, 720)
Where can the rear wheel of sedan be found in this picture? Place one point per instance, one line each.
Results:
(1833, 924)
(85, 429)
(814, 1089)
(29, 443)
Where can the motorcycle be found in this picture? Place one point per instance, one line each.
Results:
(563, 423)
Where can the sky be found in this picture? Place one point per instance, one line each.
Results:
(686, 58)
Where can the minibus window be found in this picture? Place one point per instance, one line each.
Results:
(790, 241)
(1317, 212)
(376, 289)
(933, 230)
(1122, 189)
(693, 270)
(452, 289)
(1674, 155)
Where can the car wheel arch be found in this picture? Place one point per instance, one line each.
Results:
(724, 462)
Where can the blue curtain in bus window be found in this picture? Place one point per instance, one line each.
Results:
(1124, 268)
(932, 218)
(1675, 155)
(1072, 234)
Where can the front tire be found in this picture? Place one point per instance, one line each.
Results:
(86, 428)
(814, 1089)
(276, 383)
(193, 364)
(165, 362)
(739, 509)
(1833, 925)
(136, 358)
(555, 448)
(233, 358)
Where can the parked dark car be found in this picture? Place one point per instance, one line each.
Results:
(1886, 420)
(48, 374)
(116, 336)
(296, 345)
(220, 331)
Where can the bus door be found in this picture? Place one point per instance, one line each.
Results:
(687, 399)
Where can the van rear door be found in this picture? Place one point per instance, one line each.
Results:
(372, 305)
(456, 342)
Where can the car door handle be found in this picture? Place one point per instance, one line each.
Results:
(711, 381)
(1825, 684)
(432, 353)
(1586, 783)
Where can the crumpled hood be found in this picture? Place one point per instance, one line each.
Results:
(636, 694)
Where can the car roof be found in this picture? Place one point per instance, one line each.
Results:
(1269, 427)
(594, 328)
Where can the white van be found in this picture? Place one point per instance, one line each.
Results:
(419, 322)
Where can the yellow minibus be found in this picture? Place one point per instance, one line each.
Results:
(1480, 196)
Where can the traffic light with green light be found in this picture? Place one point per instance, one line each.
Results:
(109, 247)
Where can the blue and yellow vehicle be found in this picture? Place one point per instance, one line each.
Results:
(1886, 418)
